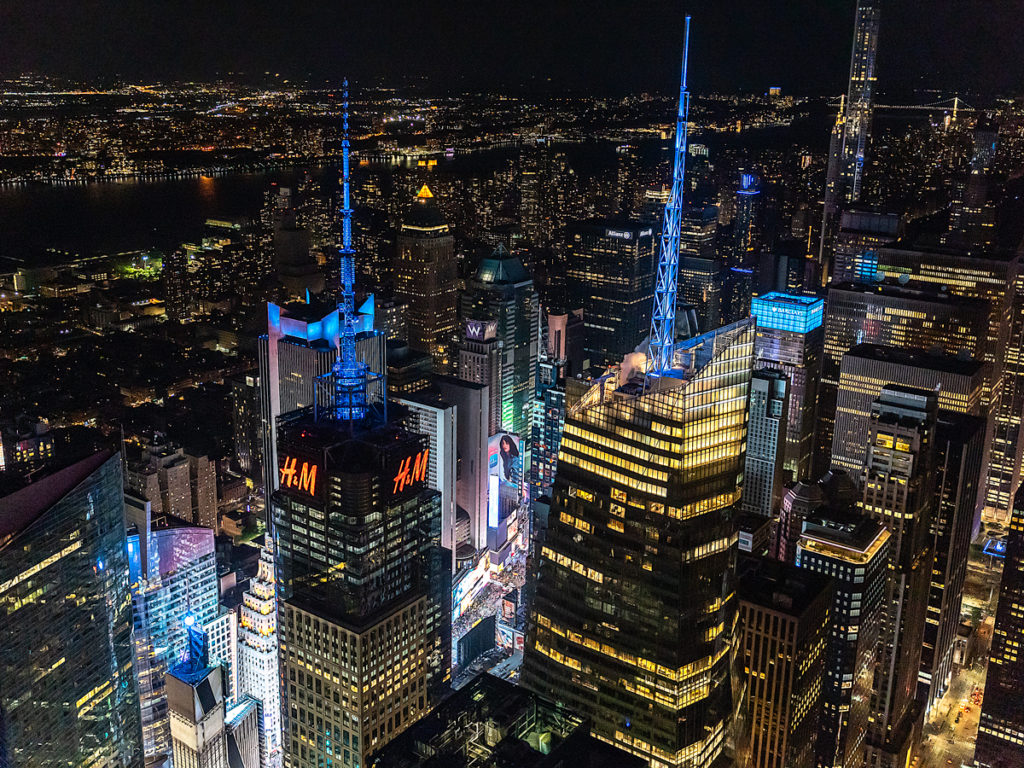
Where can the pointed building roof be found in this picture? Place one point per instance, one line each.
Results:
(424, 215)
(502, 267)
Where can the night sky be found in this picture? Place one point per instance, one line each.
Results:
(603, 47)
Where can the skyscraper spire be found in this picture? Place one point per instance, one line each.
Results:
(349, 374)
(663, 316)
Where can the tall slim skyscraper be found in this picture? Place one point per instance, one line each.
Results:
(258, 653)
(610, 271)
(852, 131)
(959, 454)
(641, 513)
(784, 618)
(501, 291)
(854, 551)
(364, 586)
(898, 483)
(766, 438)
(1001, 730)
(789, 339)
(426, 280)
(68, 695)
(700, 268)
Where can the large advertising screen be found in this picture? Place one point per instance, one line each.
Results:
(505, 482)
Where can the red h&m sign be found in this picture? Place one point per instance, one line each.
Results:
(411, 469)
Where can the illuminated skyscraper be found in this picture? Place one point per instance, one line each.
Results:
(789, 339)
(854, 551)
(641, 515)
(1001, 730)
(852, 130)
(197, 704)
(893, 316)
(867, 368)
(610, 270)
(784, 617)
(898, 487)
(959, 453)
(301, 345)
(67, 690)
(700, 269)
(426, 280)
(502, 292)
(364, 586)
(172, 571)
(258, 653)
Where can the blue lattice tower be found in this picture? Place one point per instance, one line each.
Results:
(663, 316)
(349, 374)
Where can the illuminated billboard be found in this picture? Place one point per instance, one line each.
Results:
(299, 475)
(505, 481)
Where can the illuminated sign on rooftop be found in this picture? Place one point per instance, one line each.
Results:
(788, 312)
(412, 469)
(298, 477)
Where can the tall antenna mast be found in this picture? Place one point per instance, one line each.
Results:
(663, 317)
(349, 374)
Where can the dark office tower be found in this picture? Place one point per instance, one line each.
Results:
(634, 589)
(867, 368)
(522, 729)
(363, 586)
(700, 269)
(1001, 730)
(610, 273)
(408, 370)
(893, 316)
(860, 235)
(746, 224)
(854, 551)
(426, 279)
(67, 690)
(766, 440)
(502, 292)
(627, 180)
(959, 453)
(297, 270)
(800, 500)
(178, 294)
(789, 339)
(784, 618)
(247, 425)
(852, 131)
(898, 486)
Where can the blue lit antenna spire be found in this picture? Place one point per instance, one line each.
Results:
(349, 374)
(663, 317)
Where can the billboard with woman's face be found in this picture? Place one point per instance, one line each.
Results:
(505, 468)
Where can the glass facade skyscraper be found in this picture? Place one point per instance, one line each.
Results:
(172, 572)
(635, 611)
(68, 696)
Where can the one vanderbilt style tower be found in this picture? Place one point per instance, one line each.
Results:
(634, 613)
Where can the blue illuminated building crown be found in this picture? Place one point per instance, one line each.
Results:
(788, 312)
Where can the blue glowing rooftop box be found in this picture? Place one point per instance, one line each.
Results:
(788, 312)
(995, 548)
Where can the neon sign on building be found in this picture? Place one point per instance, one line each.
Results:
(301, 478)
(410, 470)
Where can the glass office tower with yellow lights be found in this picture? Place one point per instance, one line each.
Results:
(633, 621)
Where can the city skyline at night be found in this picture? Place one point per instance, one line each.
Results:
(405, 385)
